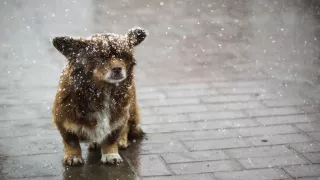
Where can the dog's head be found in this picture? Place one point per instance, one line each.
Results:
(105, 57)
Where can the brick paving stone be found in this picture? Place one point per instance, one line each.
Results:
(168, 102)
(147, 112)
(313, 157)
(255, 84)
(286, 102)
(156, 148)
(217, 115)
(202, 78)
(228, 98)
(306, 147)
(309, 127)
(273, 111)
(32, 127)
(183, 86)
(216, 144)
(267, 130)
(222, 124)
(234, 106)
(268, 174)
(232, 123)
(263, 151)
(191, 135)
(45, 123)
(268, 95)
(303, 170)
(310, 108)
(30, 145)
(44, 165)
(315, 135)
(27, 96)
(180, 109)
(241, 90)
(43, 178)
(244, 76)
(172, 127)
(142, 89)
(191, 93)
(205, 167)
(152, 165)
(269, 162)
(164, 119)
(207, 134)
(182, 177)
(25, 131)
(192, 126)
(290, 119)
(160, 138)
(21, 112)
(150, 95)
(278, 139)
(194, 156)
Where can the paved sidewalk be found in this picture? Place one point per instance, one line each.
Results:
(228, 89)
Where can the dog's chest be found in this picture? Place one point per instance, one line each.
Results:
(103, 128)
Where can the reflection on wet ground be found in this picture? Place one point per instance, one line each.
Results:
(93, 169)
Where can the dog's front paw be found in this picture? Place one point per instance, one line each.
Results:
(73, 160)
(111, 158)
(123, 144)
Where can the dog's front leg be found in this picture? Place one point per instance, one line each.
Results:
(135, 130)
(72, 149)
(123, 139)
(109, 149)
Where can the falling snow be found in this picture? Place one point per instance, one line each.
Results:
(218, 82)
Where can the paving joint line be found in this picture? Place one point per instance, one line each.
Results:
(227, 128)
(33, 176)
(305, 133)
(234, 159)
(220, 119)
(282, 168)
(131, 166)
(166, 165)
(210, 81)
(184, 145)
(299, 154)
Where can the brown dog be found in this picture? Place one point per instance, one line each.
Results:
(96, 99)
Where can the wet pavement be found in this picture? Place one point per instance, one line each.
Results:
(229, 89)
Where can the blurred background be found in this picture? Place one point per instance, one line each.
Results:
(207, 39)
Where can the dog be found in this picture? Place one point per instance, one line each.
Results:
(96, 99)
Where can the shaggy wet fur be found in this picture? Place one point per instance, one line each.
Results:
(96, 99)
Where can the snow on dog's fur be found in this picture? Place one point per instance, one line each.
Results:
(96, 99)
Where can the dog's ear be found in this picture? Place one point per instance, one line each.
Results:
(136, 36)
(70, 47)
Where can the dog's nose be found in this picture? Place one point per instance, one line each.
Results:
(117, 69)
